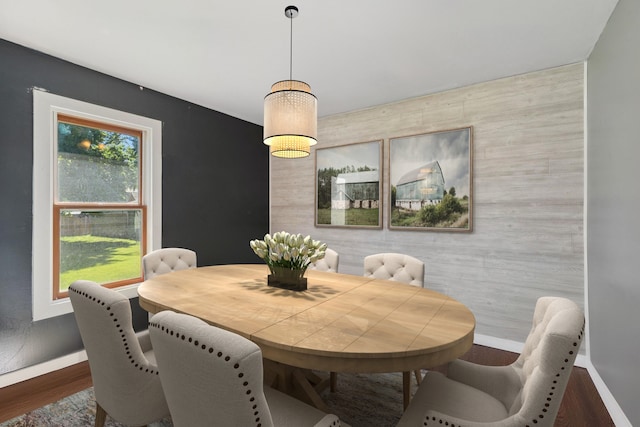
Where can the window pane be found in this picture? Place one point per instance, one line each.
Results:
(100, 245)
(97, 165)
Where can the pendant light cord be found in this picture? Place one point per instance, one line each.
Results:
(291, 49)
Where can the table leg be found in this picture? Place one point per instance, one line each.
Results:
(309, 392)
(333, 381)
(406, 388)
(418, 373)
(306, 385)
(302, 384)
(278, 376)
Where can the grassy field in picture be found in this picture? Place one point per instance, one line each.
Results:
(100, 259)
(352, 216)
(438, 216)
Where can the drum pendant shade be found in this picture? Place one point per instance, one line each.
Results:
(290, 119)
(290, 114)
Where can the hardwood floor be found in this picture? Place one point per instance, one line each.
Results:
(25, 396)
(581, 405)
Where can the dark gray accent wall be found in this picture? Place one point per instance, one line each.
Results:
(215, 188)
(613, 206)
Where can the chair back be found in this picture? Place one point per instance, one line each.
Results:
(126, 383)
(211, 377)
(166, 260)
(396, 267)
(328, 263)
(547, 359)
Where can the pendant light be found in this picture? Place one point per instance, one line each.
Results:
(290, 112)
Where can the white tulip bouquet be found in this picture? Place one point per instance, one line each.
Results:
(288, 251)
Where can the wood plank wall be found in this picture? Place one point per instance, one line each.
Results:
(528, 189)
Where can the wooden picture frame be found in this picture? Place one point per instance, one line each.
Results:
(431, 181)
(348, 189)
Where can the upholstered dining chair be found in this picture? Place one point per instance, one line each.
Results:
(397, 267)
(329, 263)
(166, 260)
(125, 377)
(213, 377)
(526, 393)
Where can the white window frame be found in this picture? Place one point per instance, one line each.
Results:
(46, 106)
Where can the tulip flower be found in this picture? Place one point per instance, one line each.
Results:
(289, 251)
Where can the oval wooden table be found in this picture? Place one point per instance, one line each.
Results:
(341, 323)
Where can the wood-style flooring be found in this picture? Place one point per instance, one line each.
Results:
(581, 405)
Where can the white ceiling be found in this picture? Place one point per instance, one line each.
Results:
(225, 55)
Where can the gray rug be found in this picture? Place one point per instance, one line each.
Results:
(362, 400)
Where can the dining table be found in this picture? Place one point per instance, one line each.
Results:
(340, 323)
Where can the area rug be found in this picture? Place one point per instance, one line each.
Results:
(361, 400)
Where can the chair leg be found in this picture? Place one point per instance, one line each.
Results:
(333, 381)
(101, 415)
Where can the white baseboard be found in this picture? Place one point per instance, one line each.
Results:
(71, 359)
(499, 343)
(42, 368)
(615, 411)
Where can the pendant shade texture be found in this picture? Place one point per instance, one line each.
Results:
(290, 112)
(290, 119)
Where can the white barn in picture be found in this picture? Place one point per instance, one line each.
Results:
(356, 190)
(420, 186)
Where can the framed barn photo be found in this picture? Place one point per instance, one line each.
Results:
(349, 185)
(431, 181)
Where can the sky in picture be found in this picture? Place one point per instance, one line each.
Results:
(450, 149)
(356, 155)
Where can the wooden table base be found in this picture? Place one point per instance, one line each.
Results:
(302, 384)
(306, 385)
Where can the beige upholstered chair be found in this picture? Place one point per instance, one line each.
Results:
(166, 260)
(213, 377)
(328, 263)
(125, 377)
(399, 268)
(396, 267)
(526, 393)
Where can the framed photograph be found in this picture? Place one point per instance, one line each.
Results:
(431, 181)
(349, 185)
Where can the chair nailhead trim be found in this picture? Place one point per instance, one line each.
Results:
(210, 350)
(554, 382)
(546, 405)
(137, 364)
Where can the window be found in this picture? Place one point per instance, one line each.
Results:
(97, 204)
(98, 216)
